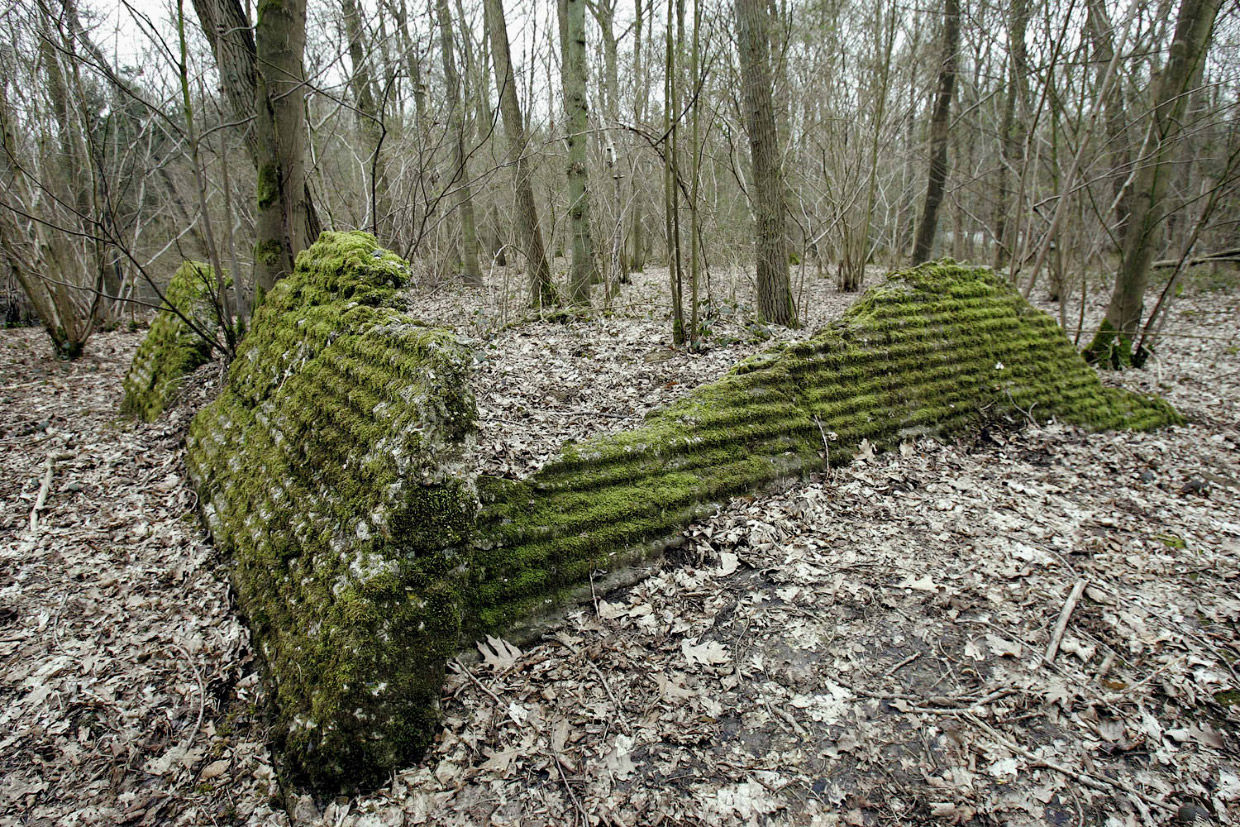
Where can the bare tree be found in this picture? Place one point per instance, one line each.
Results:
(369, 120)
(542, 291)
(1113, 344)
(1011, 137)
(231, 36)
(471, 274)
(576, 117)
(753, 38)
(279, 40)
(940, 125)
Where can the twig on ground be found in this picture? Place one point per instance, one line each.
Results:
(41, 500)
(1061, 625)
(1097, 782)
(1028, 413)
(897, 667)
(459, 668)
(585, 817)
(826, 448)
(1148, 678)
(606, 686)
(202, 695)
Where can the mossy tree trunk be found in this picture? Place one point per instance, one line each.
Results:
(230, 34)
(576, 120)
(542, 291)
(471, 273)
(1113, 344)
(753, 39)
(940, 126)
(280, 222)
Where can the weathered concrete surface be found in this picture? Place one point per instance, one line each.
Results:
(334, 471)
(172, 349)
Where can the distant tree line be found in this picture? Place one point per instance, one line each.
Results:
(781, 139)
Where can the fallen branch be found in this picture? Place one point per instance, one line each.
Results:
(1061, 625)
(826, 447)
(1205, 258)
(901, 664)
(585, 816)
(1097, 782)
(462, 670)
(202, 696)
(41, 500)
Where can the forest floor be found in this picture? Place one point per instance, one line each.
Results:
(867, 647)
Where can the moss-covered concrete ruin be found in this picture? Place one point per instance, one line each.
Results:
(335, 471)
(933, 351)
(172, 349)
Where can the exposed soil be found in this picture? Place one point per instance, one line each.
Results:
(868, 647)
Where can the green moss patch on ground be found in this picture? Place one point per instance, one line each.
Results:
(172, 349)
(933, 350)
(333, 471)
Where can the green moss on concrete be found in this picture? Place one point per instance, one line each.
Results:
(334, 471)
(171, 349)
(932, 351)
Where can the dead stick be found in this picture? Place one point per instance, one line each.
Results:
(1101, 783)
(1061, 625)
(585, 817)
(478, 683)
(41, 500)
(901, 664)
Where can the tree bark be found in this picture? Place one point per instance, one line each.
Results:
(281, 219)
(471, 273)
(940, 124)
(753, 39)
(542, 292)
(1011, 147)
(1102, 34)
(1113, 344)
(576, 120)
(671, 176)
(369, 121)
(231, 37)
(635, 245)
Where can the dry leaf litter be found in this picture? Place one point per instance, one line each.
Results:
(1033, 625)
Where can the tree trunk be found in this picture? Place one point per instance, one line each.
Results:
(280, 222)
(635, 256)
(471, 273)
(671, 177)
(231, 37)
(369, 122)
(1113, 343)
(542, 292)
(753, 39)
(940, 123)
(1103, 36)
(1011, 146)
(576, 121)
